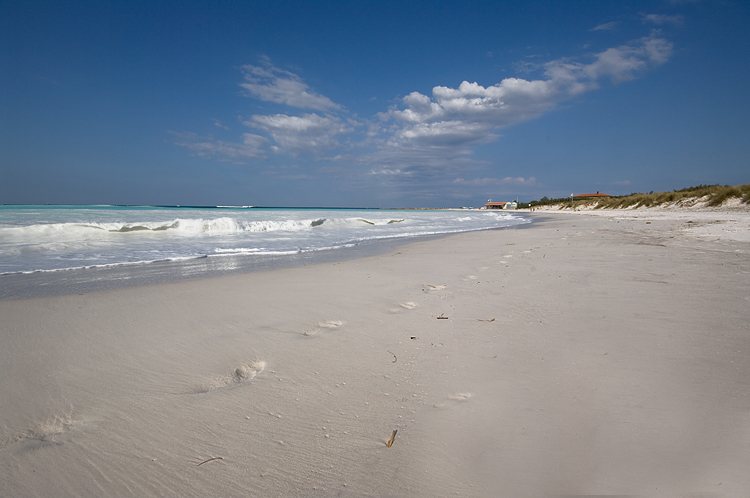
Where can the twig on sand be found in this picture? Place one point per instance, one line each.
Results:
(442, 317)
(484, 320)
(209, 460)
(393, 437)
(394, 358)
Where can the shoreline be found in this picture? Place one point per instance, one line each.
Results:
(75, 250)
(47, 283)
(587, 355)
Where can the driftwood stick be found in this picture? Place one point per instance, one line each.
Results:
(209, 460)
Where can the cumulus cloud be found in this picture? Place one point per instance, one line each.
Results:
(307, 134)
(427, 138)
(469, 114)
(422, 139)
(466, 115)
(272, 84)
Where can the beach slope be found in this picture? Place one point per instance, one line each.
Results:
(582, 356)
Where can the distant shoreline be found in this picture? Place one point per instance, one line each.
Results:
(182, 206)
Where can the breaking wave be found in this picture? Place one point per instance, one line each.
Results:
(57, 239)
(196, 226)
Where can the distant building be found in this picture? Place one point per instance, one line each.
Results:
(501, 205)
(588, 196)
(495, 205)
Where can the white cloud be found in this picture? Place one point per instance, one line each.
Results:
(272, 84)
(433, 138)
(470, 113)
(441, 134)
(386, 171)
(607, 26)
(425, 139)
(310, 133)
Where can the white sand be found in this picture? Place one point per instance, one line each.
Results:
(586, 355)
(730, 222)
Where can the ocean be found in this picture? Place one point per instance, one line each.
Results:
(83, 245)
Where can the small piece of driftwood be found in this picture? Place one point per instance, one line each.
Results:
(210, 460)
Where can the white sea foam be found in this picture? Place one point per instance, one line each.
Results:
(41, 238)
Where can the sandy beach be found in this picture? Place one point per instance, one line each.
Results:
(585, 355)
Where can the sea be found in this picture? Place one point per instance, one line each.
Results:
(50, 250)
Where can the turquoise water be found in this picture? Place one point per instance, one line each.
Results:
(54, 238)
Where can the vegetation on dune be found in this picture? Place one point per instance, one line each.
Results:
(563, 202)
(713, 195)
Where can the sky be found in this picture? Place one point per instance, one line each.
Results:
(369, 104)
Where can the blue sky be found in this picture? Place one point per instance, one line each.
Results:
(369, 104)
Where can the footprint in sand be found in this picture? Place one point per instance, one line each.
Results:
(248, 372)
(325, 325)
(239, 375)
(409, 305)
(433, 288)
(455, 398)
(49, 433)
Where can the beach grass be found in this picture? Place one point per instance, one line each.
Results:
(709, 195)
